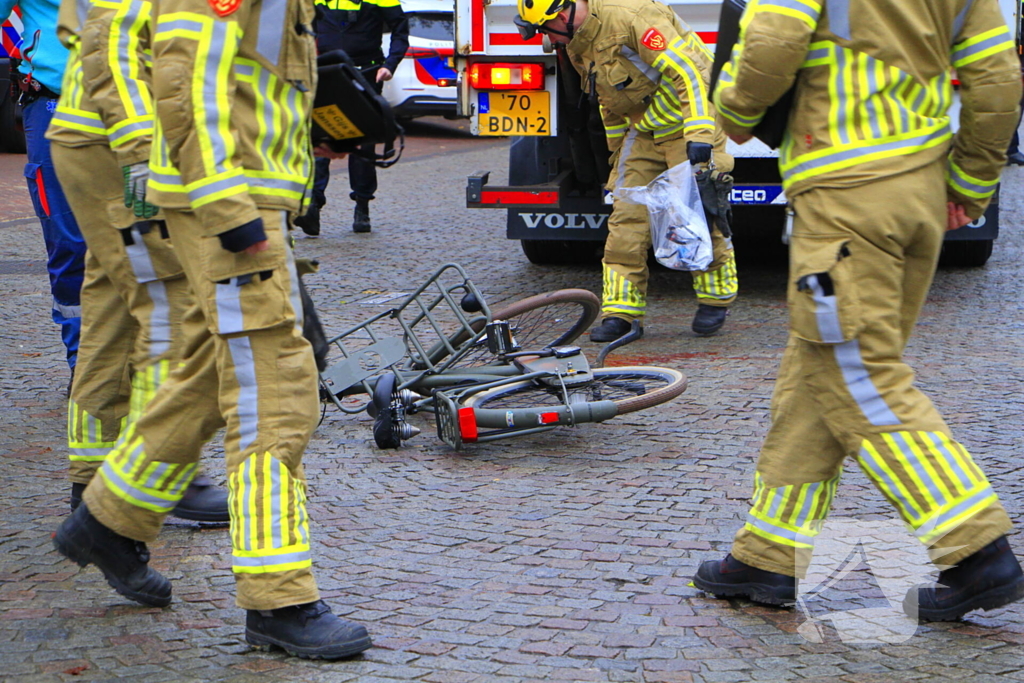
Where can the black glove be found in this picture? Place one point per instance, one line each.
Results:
(698, 152)
(241, 238)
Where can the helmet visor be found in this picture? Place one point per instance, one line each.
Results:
(526, 30)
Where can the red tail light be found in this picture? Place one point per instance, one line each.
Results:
(502, 76)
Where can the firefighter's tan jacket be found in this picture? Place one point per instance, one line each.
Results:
(873, 90)
(105, 98)
(648, 69)
(233, 83)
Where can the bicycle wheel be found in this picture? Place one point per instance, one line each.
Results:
(551, 319)
(630, 388)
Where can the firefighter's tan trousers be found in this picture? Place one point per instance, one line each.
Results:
(861, 262)
(639, 161)
(245, 359)
(133, 298)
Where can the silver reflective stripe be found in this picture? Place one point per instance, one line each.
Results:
(962, 183)
(130, 128)
(818, 53)
(159, 471)
(138, 258)
(782, 532)
(91, 121)
(624, 152)
(872, 104)
(877, 472)
(272, 27)
(90, 453)
(936, 522)
(248, 394)
(184, 480)
(234, 182)
(82, 9)
(847, 154)
(939, 445)
(168, 178)
(859, 383)
(777, 500)
(652, 74)
(273, 560)
(214, 114)
(293, 279)
(843, 99)
(124, 46)
(793, 5)
(275, 502)
(698, 105)
(838, 17)
(248, 478)
(965, 52)
(808, 506)
(179, 25)
(66, 310)
(160, 319)
(826, 310)
(270, 120)
(229, 307)
(277, 184)
(160, 503)
(958, 23)
(909, 456)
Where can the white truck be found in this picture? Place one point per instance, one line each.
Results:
(558, 159)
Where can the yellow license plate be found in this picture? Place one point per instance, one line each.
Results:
(515, 113)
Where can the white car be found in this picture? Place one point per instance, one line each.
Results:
(424, 82)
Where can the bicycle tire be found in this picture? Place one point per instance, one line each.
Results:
(540, 321)
(668, 384)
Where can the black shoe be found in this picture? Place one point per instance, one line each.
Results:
(730, 577)
(611, 329)
(309, 222)
(1015, 159)
(203, 501)
(988, 579)
(310, 631)
(76, 495)
(709, 319)
(361, 219)
(124, 562)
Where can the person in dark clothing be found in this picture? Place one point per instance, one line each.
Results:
(357, 27)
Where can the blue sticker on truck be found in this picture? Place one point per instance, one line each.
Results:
(757, 194)
(483, 102)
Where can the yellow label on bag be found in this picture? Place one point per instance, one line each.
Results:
(334, 121)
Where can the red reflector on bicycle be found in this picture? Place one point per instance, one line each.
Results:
(467, 424)
(548, 418)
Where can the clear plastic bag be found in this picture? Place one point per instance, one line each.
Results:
(679, 229)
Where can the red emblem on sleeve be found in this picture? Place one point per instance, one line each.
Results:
(652, 40)
(224, 7)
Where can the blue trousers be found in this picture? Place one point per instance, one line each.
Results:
(65, 248)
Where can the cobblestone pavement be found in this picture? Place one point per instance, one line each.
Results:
(565, 556)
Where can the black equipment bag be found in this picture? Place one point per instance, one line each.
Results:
(348, 112)
(772, 128)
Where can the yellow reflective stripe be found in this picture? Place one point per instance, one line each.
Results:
(806, 11)
(886, 479)
(131, 18)
(621, 295)
(981, 46)
(969, 185)
(910, 471)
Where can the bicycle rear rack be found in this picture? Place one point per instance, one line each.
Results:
(433, 333)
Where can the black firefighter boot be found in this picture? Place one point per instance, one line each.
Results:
(203, 501)
(730, 577)
(361, 217)
(611, 329)
(124, 562)
(988, 579)
(309, 222)
(309, 631)
(709, 319)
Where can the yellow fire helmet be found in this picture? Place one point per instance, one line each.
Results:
(535, 13)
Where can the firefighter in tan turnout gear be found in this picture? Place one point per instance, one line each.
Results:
(875, 176)
(650, 73)
(233, 84)
(135, 292)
